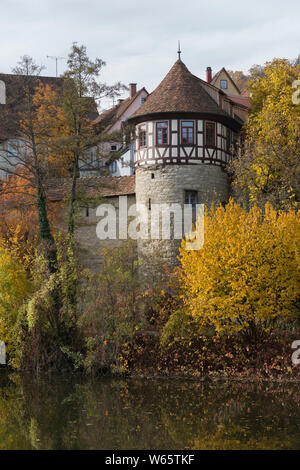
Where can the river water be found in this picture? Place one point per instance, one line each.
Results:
(66, 412)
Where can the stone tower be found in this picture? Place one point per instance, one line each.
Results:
(184, 136)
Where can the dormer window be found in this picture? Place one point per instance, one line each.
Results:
(142, 138)
(224, 84)
(162, 133)
(187, 132)
(142, 99)
(210, 134)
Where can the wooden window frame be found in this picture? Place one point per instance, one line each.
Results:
(156, 133)
(225, 87)
(187, 127)
(142, 142)
(215, 136)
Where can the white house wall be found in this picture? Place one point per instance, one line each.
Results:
(129, 111)
(8, 156)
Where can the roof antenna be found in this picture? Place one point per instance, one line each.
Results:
(179, 51)
(56, 60)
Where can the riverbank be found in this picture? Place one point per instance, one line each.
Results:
(227, 357)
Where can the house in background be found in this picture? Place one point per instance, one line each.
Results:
(224, 82)
(117, 153)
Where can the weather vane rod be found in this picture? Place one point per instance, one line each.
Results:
(179, 51)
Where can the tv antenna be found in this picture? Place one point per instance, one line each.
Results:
(56, 58)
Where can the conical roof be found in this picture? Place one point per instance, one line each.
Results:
(180, 91)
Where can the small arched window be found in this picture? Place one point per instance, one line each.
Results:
(2, 92)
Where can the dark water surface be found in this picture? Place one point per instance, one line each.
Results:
(78, 413)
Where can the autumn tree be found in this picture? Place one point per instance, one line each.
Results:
(26, 155)
(268, 170)
(81, 91)
(30, 159)
(246, 278)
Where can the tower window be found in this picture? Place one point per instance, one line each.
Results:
(228, 139)
(187, 132)
(162, 133)
(210, 134)
(142, 139)
(191, 198)
(224, 84)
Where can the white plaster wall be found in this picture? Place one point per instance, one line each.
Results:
(129, 111)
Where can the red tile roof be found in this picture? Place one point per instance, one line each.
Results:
(180, 91)
(106, 186)
(243, 100)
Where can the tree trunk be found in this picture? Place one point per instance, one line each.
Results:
(71, 222)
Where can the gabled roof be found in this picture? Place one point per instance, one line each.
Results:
(109, 117)
(180, 91)
(215, 78)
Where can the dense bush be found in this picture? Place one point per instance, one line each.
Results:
(246, 278)
(122, 302)
(38, 307)
(15, 288)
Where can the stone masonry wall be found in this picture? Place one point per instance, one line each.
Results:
(168, 185)
(89, 245)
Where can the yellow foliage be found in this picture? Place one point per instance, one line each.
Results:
(269, 169)
(248, 273)
(14, 290)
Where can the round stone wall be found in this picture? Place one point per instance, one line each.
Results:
(169, 185)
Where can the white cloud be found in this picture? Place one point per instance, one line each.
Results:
(138, 39)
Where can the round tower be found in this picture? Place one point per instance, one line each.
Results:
(184, 134)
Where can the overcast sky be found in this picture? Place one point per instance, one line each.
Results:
(138, 38)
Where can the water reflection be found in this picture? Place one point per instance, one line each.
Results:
(77, 413)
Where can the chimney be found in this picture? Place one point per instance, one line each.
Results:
(208, 75)
(132, 89)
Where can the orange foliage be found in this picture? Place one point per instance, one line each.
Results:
(50, 127)
(18, 208)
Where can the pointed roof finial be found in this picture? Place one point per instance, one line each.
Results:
(179, 51)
